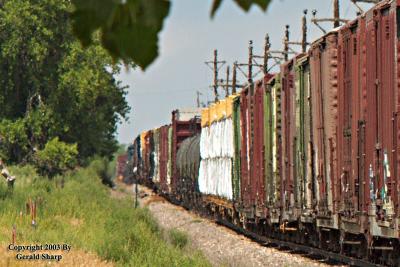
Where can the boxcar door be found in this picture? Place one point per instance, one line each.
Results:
(288, 136)
(386, 105)
(345, 119)
(268, 143)
(258, 148)
(244, 151)
(303, 128)
(318, 127)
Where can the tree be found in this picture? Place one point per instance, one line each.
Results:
(51, 87)
(129, 28)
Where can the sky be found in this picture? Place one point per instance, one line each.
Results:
(189, 38)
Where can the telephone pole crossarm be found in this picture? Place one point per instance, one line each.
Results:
(355, 2)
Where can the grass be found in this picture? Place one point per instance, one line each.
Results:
(178, 238)
(82, 214)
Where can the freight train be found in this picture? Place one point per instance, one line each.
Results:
(309, 155)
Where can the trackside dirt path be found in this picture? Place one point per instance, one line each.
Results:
(221, 246)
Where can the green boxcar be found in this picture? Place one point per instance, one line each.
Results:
(237, 142)
(268, 144)
(303, 153)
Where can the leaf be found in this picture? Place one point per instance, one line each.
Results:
(244, 4)
(129, 31)
(215, 6)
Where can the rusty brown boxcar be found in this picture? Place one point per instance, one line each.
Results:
(382, 133)
(252, 151)
(352, 182)
(288, 97)
(324, 95)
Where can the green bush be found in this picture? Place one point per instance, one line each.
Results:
(14, 140)
(56, 158)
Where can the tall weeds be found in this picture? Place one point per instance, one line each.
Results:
(77, 209)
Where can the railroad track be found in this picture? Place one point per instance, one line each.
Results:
(310, 251)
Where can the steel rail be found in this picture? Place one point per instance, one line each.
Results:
(263, 240)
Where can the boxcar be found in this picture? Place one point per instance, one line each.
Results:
(351, 135)
(382, 133)
(324, 110)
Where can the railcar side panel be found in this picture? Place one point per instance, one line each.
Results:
(268, 142)
(274, 178)
(164, 158)
(258, 178)
(288, 123)
(245, 150)
(303, 153)
(237, 148)
(323, 63)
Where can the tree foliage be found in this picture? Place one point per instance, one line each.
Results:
(51, 86)
(243, 4)
(130, 28)
(55, 158)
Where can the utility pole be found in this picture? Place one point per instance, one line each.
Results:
(216, 66)
(286, 43)
(336, 17)
(336, 13)
(198, 98)
(250, 68)
(267, 47)
(303, 42)
(234, 78)
(227, 82)
(252, 62)
(304, 29)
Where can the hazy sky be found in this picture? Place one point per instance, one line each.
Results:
(189, 38)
